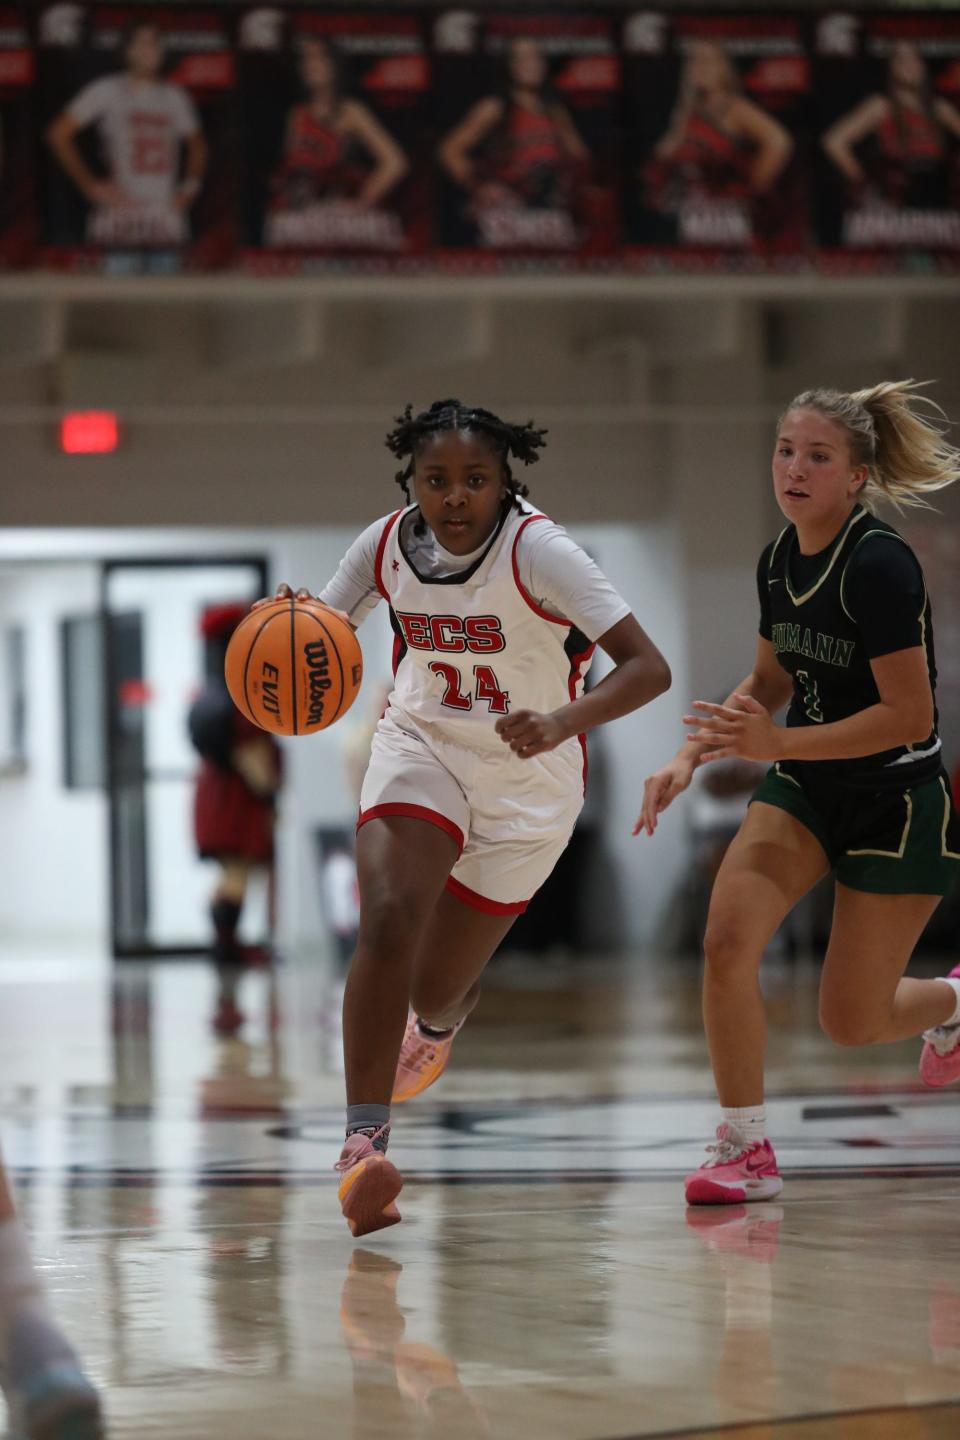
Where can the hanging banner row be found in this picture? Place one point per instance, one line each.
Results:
(292, 140)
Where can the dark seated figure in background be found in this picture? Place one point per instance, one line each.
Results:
(240, 774)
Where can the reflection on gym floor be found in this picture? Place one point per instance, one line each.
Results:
(547, 1280)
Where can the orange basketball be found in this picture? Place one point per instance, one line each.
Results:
(293, 667)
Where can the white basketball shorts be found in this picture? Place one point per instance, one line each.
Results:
(510, 818)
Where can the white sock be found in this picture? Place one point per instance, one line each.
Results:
(751, 1122)
(954, 982)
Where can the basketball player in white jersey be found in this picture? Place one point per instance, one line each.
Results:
(477, 769)
(143, 121)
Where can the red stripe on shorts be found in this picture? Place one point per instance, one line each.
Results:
(414, 812)
(480, 902)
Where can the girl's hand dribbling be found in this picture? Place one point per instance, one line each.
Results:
(529, 734)
(660, 790)
(284, 592)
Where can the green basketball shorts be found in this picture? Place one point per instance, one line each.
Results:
(887, 842)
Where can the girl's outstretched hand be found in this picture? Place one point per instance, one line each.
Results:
(660, 790)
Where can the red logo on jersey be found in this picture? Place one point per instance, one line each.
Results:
(452, 634)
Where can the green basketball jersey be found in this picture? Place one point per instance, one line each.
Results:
(827, 616)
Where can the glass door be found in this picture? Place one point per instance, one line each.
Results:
(155, 667)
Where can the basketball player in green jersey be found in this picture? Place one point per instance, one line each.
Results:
(857, 785)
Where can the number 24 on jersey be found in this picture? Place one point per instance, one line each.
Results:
(485, 687)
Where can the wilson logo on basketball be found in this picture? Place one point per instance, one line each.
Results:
(318, 678)
(292, 666)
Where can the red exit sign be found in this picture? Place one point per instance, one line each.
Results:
(89, 432)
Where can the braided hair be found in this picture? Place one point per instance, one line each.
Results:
(520, 441)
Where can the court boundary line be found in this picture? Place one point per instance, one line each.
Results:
(330, 1222)
(27, 1177)
(804, 1418)
(294, 1115)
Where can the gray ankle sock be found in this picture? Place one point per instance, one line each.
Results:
(367, 1117)
(370, 1119)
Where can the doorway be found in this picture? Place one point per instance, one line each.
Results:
(153, 665)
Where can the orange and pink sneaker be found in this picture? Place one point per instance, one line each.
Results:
(737, 1172)
(369, 1185)
(423, 1059)
(940, 1057)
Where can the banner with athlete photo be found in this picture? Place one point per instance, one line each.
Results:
(136, 164)
(715, 172)
(526, 113)
(334, 110)
(17, 148)
(888, 141)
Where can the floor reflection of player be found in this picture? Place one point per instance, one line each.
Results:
(242, 1230)
(334, 148)
(520, 148)
(143, 121)
(234, 805)
(743, 1244)
(401, 1387)
(719, 145)
(911, 130)
(46, 1391)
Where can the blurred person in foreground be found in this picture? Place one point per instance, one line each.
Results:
(48, 1396)
(234, 805)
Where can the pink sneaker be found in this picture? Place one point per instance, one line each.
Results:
(423, 1059)
(369, 1186)
(736, 1173)
(940, 1057)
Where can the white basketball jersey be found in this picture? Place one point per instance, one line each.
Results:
(474, 646)
(142, 126)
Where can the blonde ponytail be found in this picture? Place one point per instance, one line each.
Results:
(897, 433)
